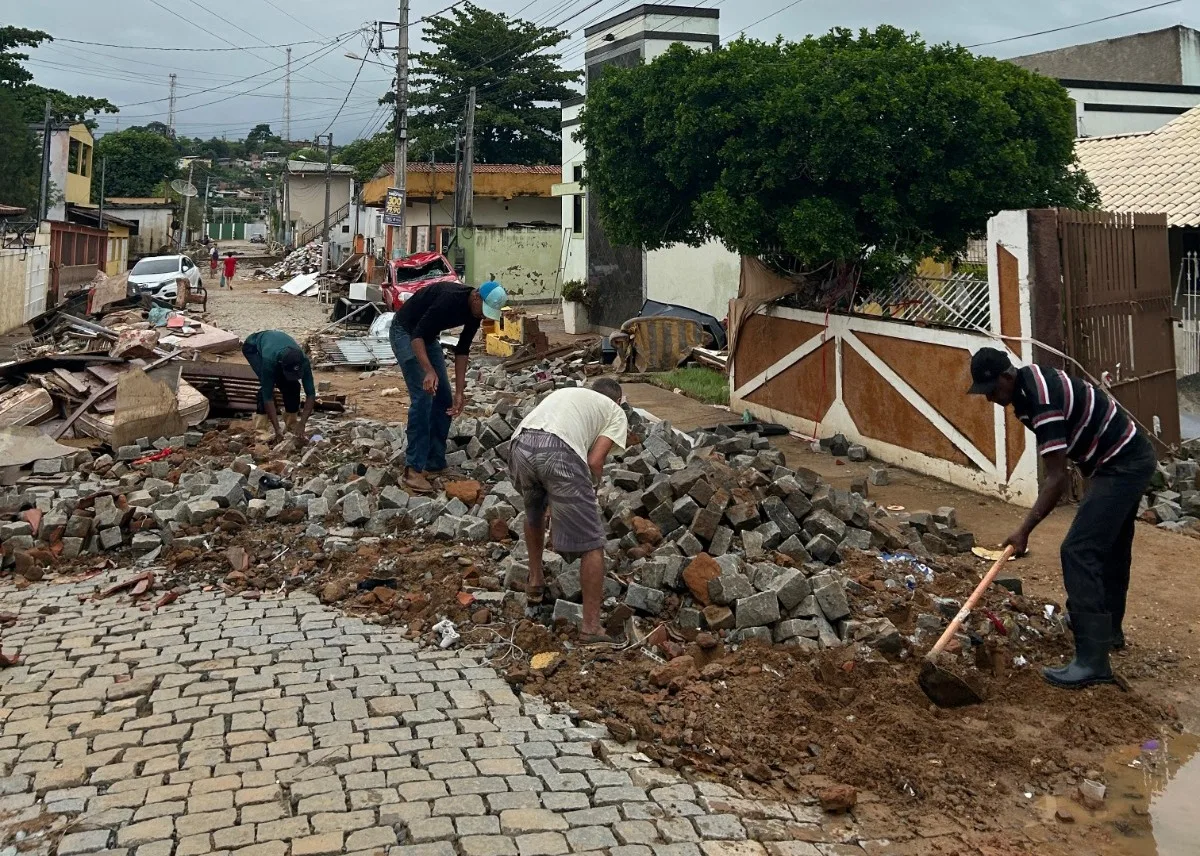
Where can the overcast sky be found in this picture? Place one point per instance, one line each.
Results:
(215, 100)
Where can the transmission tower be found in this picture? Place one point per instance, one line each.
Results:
(287, 98)
(171, 107)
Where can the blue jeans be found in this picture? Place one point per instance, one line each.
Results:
(428, 422)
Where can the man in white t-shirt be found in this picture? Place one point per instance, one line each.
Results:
(557, 456)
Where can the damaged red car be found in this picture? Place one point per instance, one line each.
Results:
(406, 276)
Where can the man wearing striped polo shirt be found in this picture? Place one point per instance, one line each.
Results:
(1073, 419)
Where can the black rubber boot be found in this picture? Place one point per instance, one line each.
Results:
(1118, 639)
(1093, 641)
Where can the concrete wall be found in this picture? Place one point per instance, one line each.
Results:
(1143, 58)
(60, 147)
(524, 260)
(24, 277)
(1103, 108)
(306, 197)
(900, 388)
(154, 229)
(574, 258)
(704, 278)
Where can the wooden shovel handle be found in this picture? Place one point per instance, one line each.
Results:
(956, 623)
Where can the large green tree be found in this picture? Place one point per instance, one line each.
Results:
(517, 78)
(31, 97)
(138, 161)
(846, 152)
(19, 156)
(368, 154)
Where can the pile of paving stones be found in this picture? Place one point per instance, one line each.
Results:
(709, 528)
(1173, 499)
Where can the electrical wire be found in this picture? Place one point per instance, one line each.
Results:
(324, 54)
(1073, 26)
(778, 12)
(293, 17)
(345, 37)
(349, 91)
(182, 50)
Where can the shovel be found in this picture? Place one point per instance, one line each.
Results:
(944, 688)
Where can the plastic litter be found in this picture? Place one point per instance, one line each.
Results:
(448, 631)
(1048, 611)
(1020, 662)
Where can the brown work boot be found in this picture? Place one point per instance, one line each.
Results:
(416, 481)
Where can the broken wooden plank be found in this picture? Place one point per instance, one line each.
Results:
(99, 394)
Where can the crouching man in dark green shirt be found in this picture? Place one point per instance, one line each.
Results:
(280, 364)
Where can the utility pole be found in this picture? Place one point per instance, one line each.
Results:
(204, 219)
(171, 106)
(187, 205)
(44, 191)
(325, 249)
(432, 197)
(400, 168)
(287, 203)
(103, 175)
(468, 185)
(287, 98)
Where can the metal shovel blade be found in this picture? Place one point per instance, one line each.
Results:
(944, 688)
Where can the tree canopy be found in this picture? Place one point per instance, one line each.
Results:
(138, 161)
(517, 78)
(21, 156)
(368, 154)
(867, 151)
(31, 97)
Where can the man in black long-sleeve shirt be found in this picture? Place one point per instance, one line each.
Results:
(415, 337)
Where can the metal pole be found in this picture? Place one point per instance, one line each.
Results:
(44, 191)
(103, 175)
(468, 187)
(187, 207)
(325, 222)
(400, 168)
(432, 196)
(204, 219)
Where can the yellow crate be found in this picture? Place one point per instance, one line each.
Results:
(500, 346)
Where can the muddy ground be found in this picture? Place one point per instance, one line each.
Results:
(773, 722)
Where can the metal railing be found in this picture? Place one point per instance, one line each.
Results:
(314, 232)
(960, 300)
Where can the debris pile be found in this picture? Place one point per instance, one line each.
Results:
(304, 259)
(1173, 499)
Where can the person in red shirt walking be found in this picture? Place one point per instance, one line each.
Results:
(229, 270)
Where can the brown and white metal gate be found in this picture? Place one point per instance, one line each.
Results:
(1117, 302)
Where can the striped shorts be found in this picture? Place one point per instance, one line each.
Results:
(548, 472)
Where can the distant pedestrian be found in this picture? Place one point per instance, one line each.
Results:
(230, 270)
(213, 258)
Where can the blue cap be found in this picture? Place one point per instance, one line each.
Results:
(494, 299)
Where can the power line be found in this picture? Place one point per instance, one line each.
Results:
(324, 54)
(293, 17)
(1073, 26)
(183, 50)
(778, 12)
(349, 91)
(324, 51)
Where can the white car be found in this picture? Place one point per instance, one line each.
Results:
(156, 276)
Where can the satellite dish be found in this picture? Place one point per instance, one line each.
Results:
(183, 188)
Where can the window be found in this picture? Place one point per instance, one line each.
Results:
(187, 264)
(577, 202)
(74, 149)
(85, 160)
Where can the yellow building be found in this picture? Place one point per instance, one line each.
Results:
(80, 145)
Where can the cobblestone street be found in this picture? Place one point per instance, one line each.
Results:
(276, 727)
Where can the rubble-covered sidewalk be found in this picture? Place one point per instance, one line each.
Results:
(757, 601)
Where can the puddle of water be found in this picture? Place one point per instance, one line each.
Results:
(1152, 800)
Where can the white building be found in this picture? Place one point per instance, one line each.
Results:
(1126, 85)
(304, 200)
(703, 278)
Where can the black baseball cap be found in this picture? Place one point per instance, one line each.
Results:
(291, 363)
(986, 367)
